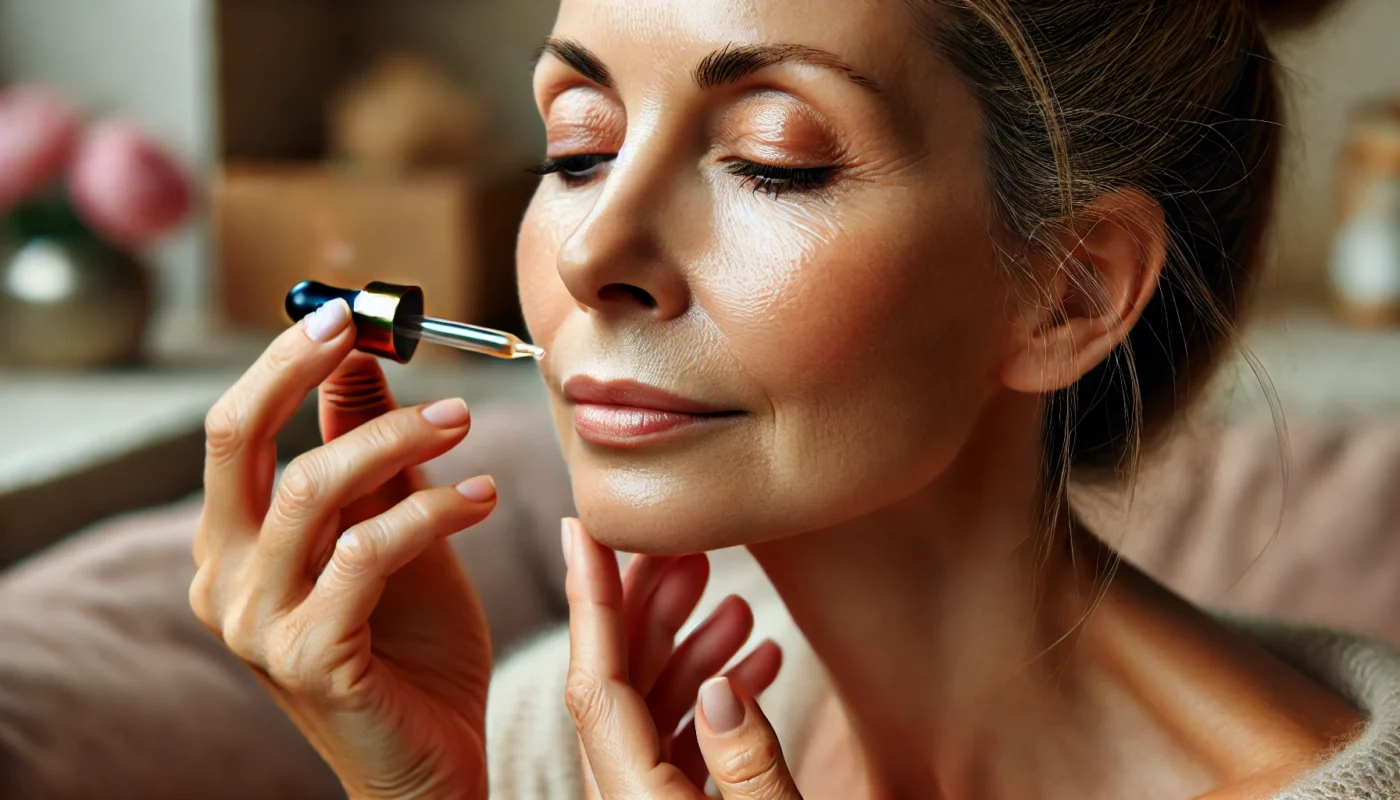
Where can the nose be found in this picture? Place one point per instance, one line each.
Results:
(617, 261)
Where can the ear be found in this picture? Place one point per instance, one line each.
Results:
(1114, 258)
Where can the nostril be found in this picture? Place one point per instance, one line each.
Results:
(626, 292)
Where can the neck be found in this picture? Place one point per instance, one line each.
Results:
(955, 632)
(938, 618)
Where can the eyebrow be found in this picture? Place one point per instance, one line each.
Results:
(580, 58)
(729, 64)
(733, 63)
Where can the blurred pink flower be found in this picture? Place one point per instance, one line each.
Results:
(126, 186)
(38, 136)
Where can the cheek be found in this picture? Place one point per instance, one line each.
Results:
(544, 300)
(871, 332)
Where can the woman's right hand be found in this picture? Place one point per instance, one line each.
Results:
(337, 586)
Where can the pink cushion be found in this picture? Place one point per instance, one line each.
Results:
(1211, 522)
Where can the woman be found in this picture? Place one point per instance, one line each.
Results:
(860, 287)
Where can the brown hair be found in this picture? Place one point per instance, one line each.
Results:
(1179, 99)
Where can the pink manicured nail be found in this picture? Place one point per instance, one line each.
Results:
(478, 490)
(448, 413)
(722, 708)
(324, 323)
(566, 542)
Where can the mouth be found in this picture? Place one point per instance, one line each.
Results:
(627, 414)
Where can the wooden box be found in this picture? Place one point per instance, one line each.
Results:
(280, 224)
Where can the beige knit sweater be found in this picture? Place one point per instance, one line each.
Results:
(532, 744)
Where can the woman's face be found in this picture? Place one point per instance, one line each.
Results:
(763, 268)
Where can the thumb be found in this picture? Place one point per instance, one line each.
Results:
(354, 394)
(741, 750)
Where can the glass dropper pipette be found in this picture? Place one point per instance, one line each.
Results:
(472, 338)
(390, 322)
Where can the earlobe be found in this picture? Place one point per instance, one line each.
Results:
(1093, 295)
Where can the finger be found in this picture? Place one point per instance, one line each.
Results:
(349, 588)
(355, 393)
(590, 783)
(741, 751)
(652, 643)
(640, 578)
(317, 485)
(612, 719)
(700, 657)
(241, 427)
(753, 675)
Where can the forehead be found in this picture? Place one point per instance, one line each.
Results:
(874, 36)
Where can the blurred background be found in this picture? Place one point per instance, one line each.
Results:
(350, 140)
(357, 140)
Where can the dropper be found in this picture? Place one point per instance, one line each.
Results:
(389, 322)
(472, 338)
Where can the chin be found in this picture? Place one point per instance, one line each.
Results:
(658, 515)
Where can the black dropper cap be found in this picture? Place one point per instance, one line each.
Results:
(386, 315)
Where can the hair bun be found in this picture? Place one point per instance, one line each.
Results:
(1294, 14)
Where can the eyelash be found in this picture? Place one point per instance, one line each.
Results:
(775, 181)
(574, 170)
(579, 170)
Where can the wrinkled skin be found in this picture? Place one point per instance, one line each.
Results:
(774, 306)
(802, 256)
(884, 376)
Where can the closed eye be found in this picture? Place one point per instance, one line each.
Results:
(576, 170)
(776, 181)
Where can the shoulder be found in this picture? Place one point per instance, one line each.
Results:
(1363, 670)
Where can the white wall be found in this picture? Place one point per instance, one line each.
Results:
(150, 59)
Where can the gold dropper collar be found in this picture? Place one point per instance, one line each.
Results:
(380, 312)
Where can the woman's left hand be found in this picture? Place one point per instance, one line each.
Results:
(629, 686)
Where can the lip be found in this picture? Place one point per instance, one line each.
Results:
(584, 390)
(626, 414)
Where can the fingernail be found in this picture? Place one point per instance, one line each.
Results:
(447, 413)
(478, 490)
(722, 708)
(325, 322)
(566, 542)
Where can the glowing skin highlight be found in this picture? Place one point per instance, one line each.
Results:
(765, 270)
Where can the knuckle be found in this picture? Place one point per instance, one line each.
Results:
(753, 770)
(299, 490)
(585, 694)
(241, 631)
(418, 510)
(392, 433)
(357, 553)
(223, 430)
(282, 353)
(202, 600)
